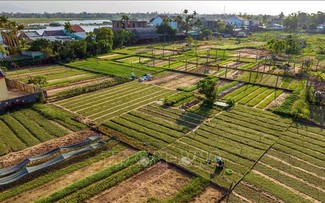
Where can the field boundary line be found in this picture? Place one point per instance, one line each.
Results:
(255, 163)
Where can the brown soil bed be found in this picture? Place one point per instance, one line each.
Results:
(175, 80)
(70, 178)
(159, 181)
(15, 157)
(211, 194)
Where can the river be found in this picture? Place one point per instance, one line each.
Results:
(87, 25)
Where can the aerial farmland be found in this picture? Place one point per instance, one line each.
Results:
(191, 120)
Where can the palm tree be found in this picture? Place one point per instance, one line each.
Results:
(10, 35)
(68, 27)
(124, 20)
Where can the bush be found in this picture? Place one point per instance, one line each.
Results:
(173, 99)
(285, 108)
(187, 89)
(231, 102)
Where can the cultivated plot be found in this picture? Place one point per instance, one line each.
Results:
(107, 103)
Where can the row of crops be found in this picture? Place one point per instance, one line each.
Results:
(240, 136)
(86, 188)
(254, 96)
(154, 125)
(58, 173)
(272, 80)
(56, 76)
(292, 171)
(110, 102)
(113, 68)
(27, 127)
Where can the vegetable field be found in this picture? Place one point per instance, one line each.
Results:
(289, 158)
(112, 68)
(239, 136)
(105, 104)
(56, 76)
(254, 96)
(291, 171)
(31, 126)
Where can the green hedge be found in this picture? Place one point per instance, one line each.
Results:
(173, 99)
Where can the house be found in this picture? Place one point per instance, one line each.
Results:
(210, 24)
(54, 33)
(239, 32)
(321, 28)
(145, 33)
(276, 27)
(117, 24)
(156, 21)
(253, 23)
(78, 34)
(29, 36)
(276, 21)
(237, 21)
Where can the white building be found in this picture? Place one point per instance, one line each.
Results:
(156, 21)
(276, 27)
(237, 21)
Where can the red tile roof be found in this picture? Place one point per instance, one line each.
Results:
(77, 28)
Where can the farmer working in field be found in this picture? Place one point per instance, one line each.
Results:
(219, 164)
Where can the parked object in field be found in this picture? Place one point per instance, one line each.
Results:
(145, 77)
(133, 76)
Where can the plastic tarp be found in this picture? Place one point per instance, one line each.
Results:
(28, 170)
(22, 164)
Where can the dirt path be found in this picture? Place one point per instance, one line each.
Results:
(186, 81)
(211, 194)
(287, 187)
(158, 181)
(70, 178)
(15, 157)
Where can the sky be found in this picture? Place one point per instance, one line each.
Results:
(202, 7)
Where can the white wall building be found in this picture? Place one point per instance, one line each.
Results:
(156, 21)
(276, 27)
(237, 21)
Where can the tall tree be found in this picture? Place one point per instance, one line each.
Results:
(68, 27)
(188, 21)
(166, 30)
(124, 20)
(10, 34)
(207, 87)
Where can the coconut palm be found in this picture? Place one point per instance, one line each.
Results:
(124, 20)
(68, 27)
